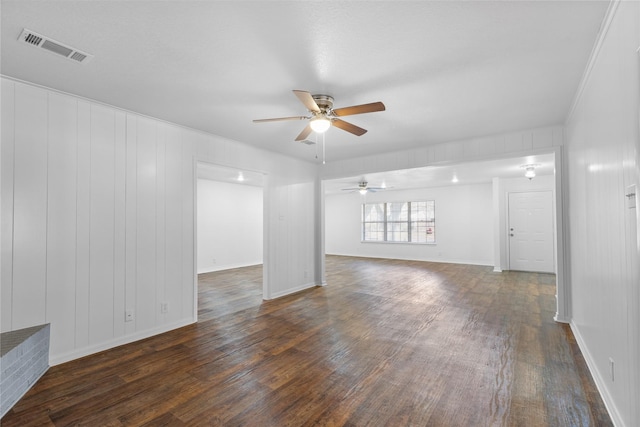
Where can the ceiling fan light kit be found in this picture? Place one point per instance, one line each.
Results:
(322, 115)
(320, 124)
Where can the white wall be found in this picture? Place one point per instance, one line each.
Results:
(602, 139)
(464, 225)
(98, 218)
(229, 225)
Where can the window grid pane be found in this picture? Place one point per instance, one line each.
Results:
(406, 222)
(373, 222)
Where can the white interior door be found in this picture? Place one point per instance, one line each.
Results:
(531, 232)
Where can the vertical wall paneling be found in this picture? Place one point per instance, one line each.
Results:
(61, 218)
(563, 270)
(101, 255)
(6, 204)
(495, 146)
(83, 224)
(173, 225)
(146, 292)
(30, 207)
(542, 138)
(188, 266)
(266, 234)
(497, 228)
(602, 134)
(104, 219)
(161, 144)
(131, 219)
(319, 223)
(119, 221)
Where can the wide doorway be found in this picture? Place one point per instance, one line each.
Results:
(230, 233)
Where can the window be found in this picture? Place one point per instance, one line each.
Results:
(373, 222)
(406, 222)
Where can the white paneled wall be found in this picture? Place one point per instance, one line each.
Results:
(98, 217)
(543, 140)
(464, 225)
(603, 150)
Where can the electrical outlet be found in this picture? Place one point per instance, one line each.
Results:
(164, 307)
(128, 316)
(214, 260)
(612, 370)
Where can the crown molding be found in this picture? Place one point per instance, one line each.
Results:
(595, 51)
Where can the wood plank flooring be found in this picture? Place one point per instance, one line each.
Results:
(386, 343)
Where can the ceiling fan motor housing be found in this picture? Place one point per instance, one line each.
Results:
(325, 102)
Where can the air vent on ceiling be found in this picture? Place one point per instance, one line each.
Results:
(37, 40)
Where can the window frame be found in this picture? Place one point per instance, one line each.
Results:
(410, 225)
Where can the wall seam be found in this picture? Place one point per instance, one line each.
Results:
(46, 227)
(89, 201)
(13, 209)
(115, 231)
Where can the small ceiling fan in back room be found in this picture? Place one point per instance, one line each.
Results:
(364, 188)
(322, 115)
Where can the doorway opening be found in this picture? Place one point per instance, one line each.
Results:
(491, 180)
(229, 239)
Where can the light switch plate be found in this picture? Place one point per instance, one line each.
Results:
(631, 196)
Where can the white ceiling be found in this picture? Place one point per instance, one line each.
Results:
(446, 70)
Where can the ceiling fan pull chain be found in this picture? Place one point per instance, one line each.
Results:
(324, 157)
(316, 137)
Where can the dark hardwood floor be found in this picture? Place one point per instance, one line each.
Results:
(386, 343)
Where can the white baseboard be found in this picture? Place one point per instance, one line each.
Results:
(57, 359)
(597, 378)
(291, 291)
(395, 257)
(222, 267)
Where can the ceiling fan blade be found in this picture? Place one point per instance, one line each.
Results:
(308, 101)
(305, 133)
(279, 119)
(341, 124)
(359, 109)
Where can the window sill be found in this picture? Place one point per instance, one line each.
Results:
(399, 243)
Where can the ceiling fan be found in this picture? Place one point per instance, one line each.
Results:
(363, 188)
(323, 116)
